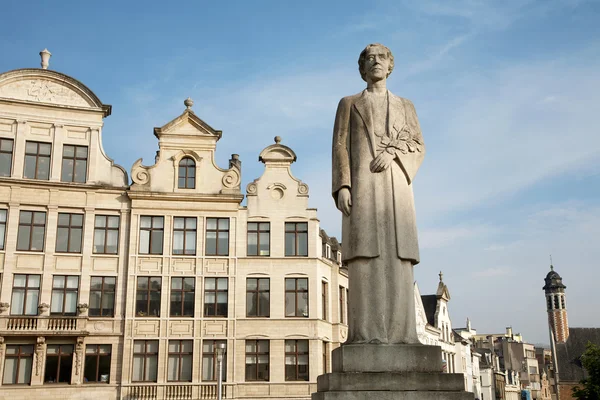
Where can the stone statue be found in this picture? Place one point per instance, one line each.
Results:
(377, 150)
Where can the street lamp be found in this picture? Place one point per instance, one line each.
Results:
(220, 353)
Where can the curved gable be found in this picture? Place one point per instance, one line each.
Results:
(48, 87)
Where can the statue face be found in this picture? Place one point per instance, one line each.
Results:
(376, 64)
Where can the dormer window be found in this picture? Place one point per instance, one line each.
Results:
(339, 256)
(327, 251)
(187, 174)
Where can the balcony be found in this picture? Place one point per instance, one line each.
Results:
(183, 391)
(42, 324)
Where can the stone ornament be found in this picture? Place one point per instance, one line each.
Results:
(43, 308)
(40, 348)
(82, 308)
(4, 307)
(79, 347)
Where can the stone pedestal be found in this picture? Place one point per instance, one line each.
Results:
(389, 372)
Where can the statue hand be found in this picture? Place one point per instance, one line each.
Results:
(344, 201)
(381, 162)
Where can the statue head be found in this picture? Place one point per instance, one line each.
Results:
(363, 57)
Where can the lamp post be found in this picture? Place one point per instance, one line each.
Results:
(220, 353)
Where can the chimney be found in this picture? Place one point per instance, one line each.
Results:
(509, 331)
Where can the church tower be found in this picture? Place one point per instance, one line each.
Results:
(556, 305)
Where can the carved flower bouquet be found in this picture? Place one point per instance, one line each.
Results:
(402, 140)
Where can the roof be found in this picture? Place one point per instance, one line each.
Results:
(553, 280)
(568, 354)
(430, 306)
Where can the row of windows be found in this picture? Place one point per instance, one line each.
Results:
(217, 237)
(65, 293)
(69, 237)
(18, 362)
(37, 161)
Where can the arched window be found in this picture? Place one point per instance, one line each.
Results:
(187, 173)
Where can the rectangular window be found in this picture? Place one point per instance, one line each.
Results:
(25, 295)
(296, 360)
(69, 233)
(106, 234)
(147, 298)
(102, 296)
(342, 304)
(209, 360)
(324, 302)
(258, 298)
(296, 297)
(97, 363)
(37, 160)
(3, 214)
(74, 164)
(151, 235)
(32, 229)
(215, 297)
(6, 154)
(217, 236)
(184, 235)
(179, 367)
(18, 362)
(259, 238)
(65, 290)
(182, 297)
(296, 239)
(59, 363)
(257, 360)
(325, 369)
(145, 360)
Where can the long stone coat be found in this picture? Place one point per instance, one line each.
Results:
(354, 147)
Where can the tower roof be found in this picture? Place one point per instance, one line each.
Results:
(553, 280)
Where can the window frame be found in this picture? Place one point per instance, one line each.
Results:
(37, 158)
(342, 297)
(70, 229)
(324, 299)
(25, 290)
(186, 176)
(213, 359)
(297, 292)
(256, 354)
(217, 232)
(216, 292)
(149, 290)
(182, 292)
(19, 355)
(10, 153)
(97, 354)
(31, 225)
(145, 356)
(257, 231)
(75, 158)
(297, 364)
(102, 292)
(58, 355)
(257, 292)
(296, 232)
(64, 291)
(184, 231)
(106, 230)
(3, 225)
(180, 355)
(150, 230)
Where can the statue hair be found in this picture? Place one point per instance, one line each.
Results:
(361, 59)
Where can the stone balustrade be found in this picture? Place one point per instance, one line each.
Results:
(181, 391)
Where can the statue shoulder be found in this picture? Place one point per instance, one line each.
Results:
(349, 100)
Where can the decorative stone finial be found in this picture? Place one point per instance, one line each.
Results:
(45, 54)
(188, 103)
(277, 139)
(551, 266)
(441, 276)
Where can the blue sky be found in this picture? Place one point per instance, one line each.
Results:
(507, 93)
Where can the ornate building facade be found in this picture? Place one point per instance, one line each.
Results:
(118, 291)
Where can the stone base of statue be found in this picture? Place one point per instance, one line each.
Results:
(389, 372)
